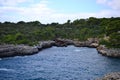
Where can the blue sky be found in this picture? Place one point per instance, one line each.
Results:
(48, 11)
(75, 6)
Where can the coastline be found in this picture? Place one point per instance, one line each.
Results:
(10, 50)
(110, 76)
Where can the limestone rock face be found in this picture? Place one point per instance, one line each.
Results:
(16, 50)
(9, 50)
(94, 45)
(63, 42)
(20, 50)
(45, 44)
(111, 76)
(110, 52)
(91, 42)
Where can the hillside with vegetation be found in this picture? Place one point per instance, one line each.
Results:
(106, 29)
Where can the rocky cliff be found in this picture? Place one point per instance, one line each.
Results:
(20, 50)
(111, 76)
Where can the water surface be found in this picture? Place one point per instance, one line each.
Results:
(58, 63)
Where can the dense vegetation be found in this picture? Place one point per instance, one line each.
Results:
(107, 29)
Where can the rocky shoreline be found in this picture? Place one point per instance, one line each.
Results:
(9, 50)
(16, 50)
(111, 76)
(110, 52)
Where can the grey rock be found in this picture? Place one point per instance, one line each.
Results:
(110, 52)
(45, 44)
(16, 50)
(94, 45)
(25, 50)
(20, 50)
(111, 76)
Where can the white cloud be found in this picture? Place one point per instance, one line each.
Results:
(40, 11)
(114, 4)
(109, 13)
(39, 8)
(101, 1)
(11, 2)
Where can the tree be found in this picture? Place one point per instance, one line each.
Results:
(34, 23)
(112, 31)
(21, 22)
(68, 21)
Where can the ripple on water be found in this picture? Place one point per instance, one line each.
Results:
(63, 63)
(6, 69)
(77, 50)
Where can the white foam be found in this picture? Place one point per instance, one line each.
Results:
(5, 69)
(0, 59)
(77, 50)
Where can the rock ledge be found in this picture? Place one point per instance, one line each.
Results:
(111, 76)
(110, 52)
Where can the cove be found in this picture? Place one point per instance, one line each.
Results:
(59, 63)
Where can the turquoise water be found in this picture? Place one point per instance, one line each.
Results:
(58, 63)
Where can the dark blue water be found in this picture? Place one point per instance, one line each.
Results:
(63, 63)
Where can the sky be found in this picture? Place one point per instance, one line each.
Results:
(48, 11)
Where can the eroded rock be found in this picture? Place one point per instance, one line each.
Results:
(111, 76)
(16, 50)
(110, 52)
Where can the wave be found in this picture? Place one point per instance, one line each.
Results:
(0, 59)
(5, 69)
(77, 50)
